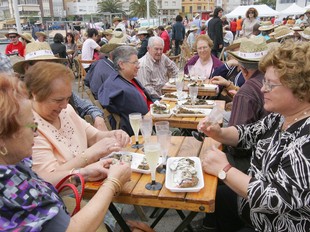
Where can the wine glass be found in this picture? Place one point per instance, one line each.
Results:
(146, 128)
(162, 125)
(193, 92)
(192, 72)
(135, 121)
(179, 86)
(164, 139)
(152, 152)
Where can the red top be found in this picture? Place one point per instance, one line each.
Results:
(15, 48)
(148, 102)
(233, 26)
(164, 35)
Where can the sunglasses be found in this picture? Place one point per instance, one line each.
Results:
(12, 37)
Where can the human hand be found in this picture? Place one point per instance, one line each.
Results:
(99, 124)
(219, 80)
(232, 62)
(211, 129)
(213, 161)
(120, 171)
(137, 226)
(122, 137)
(233, 92)
(96, 171)
(104, 147)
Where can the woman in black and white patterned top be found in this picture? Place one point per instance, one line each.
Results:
(275, 195)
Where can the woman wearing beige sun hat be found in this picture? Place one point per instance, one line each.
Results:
(41, 36)
(36, 52)
(305, 34)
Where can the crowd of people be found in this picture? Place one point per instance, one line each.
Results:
(263, 72)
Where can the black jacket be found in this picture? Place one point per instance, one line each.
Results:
(215, 32)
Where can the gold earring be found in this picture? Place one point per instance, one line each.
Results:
(3, 151)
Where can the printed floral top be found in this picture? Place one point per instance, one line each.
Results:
(27, 202)
(279, 191)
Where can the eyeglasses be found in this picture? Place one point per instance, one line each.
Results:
(269, 87)
(32, 126)
(12, 37)
(202, 48)
(135, 63)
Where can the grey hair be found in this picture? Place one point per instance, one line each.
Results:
(249, 66)
(154, 39)
(123, 54)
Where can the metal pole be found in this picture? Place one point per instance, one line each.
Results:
(17, 19)
(148, 11)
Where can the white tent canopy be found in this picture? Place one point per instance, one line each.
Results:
(263, 11)
(293, 9)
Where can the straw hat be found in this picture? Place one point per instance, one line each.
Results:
(305, 33)
(235, 44)
(251, 50)
(118, 37)
(108, 32)
(38, 23)
(109, 47)
(27, 36)
(307, 11)
(266, 26)
(284, 32)
(193, 28)
(142, 31)
(116, 19)
(37, 52)
(168, 27)
(296, 28)
(11, 31)
(38, 33)
(196, 15)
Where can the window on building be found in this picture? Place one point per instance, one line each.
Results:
(287, 1)
(165, 3)
(198, 8)
(174, 3)
(190, 9)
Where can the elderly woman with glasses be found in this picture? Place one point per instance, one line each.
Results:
(249, 22)
(204, 62)
(122, 93)
(275, 194)
(65, 143)
(28, 203)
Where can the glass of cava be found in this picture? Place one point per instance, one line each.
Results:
(135, 121)
(152, 153)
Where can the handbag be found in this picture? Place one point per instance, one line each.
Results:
(77, 189)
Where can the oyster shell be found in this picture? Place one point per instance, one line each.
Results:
(184, 173)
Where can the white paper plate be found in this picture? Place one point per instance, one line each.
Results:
(207, 86)
(184, 96)
(208, 104)
(169, 176)
(160, 115)
(136, 160)
(204, 112)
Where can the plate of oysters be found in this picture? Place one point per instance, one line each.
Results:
(137, 161)
(184, 174)
(160, 109)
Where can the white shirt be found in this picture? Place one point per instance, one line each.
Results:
(88, 48)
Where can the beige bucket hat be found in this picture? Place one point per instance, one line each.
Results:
(305, 33)
(142, 31)
(193, 28)
(251, 50)
(267, 26)
(118, 37)
(11, 31)
(38, 33)
(116, 19)
(27, 36)
(109, 47)
(37, 52)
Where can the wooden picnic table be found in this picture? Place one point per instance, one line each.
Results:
(183, 122)
(135, 193)
(201, 91)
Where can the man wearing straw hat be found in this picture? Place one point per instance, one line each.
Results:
(100, 70)
(42, 52)
(15, 46)
(248, 107)
(118, 23)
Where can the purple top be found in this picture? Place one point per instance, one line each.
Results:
(193, 60)
(27, 202)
